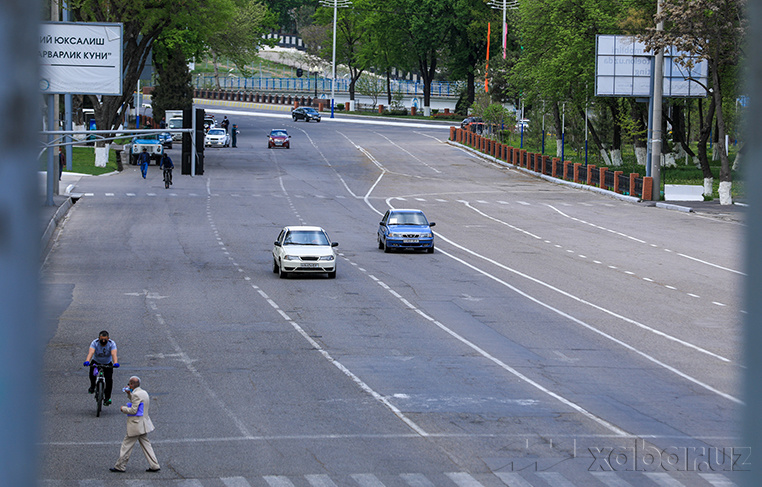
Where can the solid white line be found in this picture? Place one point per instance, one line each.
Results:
(590, 327)
(578, 299)
(710, 264)
(408, 152)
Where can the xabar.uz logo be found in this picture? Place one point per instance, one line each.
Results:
(649, 458)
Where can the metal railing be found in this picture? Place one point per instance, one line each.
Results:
(321, 85)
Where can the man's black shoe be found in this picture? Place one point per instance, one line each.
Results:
(152, 470)
(116, 470)
(91, 390)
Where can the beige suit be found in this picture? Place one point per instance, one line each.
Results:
(138, 428)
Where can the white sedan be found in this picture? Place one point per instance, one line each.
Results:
(304, 249)
(217, 138)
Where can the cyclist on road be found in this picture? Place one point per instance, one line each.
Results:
(102, 352)
(167, 165)
(144, 159)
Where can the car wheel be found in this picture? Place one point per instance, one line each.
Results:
(332, 274)
(430, 250)
(281, 273)
(318, 120)
(387, 249)
(380, 243)
(295, 119)
(275, 266)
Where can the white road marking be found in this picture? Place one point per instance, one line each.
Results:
(235, 482)
(717, 480)
(555, 479)
(611, 479)
(416, 480)
(463, 479)
(320, 480)
(278, 481)
(367, 480)
(664, 479)
(512, 479)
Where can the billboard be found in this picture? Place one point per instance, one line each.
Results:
(623, 68)
(81, 58)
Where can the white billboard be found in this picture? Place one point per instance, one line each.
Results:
(81, 58)
(623, 68)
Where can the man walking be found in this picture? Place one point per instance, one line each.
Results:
(144, 159)
(138, 426)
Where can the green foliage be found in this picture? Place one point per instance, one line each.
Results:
(173, 90)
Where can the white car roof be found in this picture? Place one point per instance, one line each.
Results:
(303, 228)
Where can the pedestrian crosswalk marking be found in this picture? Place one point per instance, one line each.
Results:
(278, 481)
(367, 480)
(611, 479)
(462, 479)
(416, 480)
(663, 479)
(320, 480)
(717, 480)
(235, 482)
(197, 483)
(555, 479)
(513, 479)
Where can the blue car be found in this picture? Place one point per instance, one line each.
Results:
(405, 229)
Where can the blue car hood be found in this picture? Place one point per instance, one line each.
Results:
(409, 228)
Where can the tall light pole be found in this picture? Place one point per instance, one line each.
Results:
(335, 4)
(504, 5)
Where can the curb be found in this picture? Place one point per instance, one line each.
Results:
(670, 206)
(605, 192)
(53, 223)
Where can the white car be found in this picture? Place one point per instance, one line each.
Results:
(217, 138)
(304, 249)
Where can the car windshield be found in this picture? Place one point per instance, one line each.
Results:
(147, 137)
(407, 218)
(310, 109)
(305, 237)
(217, 132)
(278, 133)
(175, 124)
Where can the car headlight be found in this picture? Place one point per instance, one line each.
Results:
(426, 235)
(327, 257)
(290, 257)
(395, 235)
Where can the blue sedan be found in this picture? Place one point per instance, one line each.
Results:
(405, 229)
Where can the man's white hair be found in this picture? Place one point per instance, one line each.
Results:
(136, 378)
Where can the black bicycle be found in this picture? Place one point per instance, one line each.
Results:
(167, 178)
(100, 386)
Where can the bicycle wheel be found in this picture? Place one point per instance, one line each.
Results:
(98, 398)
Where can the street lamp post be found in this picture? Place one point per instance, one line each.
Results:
(504, 5)
(335, 4)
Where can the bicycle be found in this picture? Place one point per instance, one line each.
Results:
(100, 386)
(167, 178)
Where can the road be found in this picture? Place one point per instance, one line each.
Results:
(556, 337)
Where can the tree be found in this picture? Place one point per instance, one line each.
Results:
(557, 61)
(173, 90)
(242, 36)
(144, 21)
(712, 30)
(351, 35)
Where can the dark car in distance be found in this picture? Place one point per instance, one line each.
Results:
(305, 113)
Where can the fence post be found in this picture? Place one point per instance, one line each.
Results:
(602, 177)
(633, 177)
(590, 170)
(648, 184)
(616, 180)
(577, 165)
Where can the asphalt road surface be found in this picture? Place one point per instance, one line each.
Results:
(556, 337)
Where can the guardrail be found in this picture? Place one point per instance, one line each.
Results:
(626, 184)
(321, 85)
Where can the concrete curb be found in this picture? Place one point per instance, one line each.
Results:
(605, 192)
(53, 223)
(671, 206)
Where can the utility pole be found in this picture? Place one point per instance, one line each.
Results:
(656, 116)
(335, 4)
(20, 355)
(504, 5)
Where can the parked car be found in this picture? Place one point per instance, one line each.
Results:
(305, 113)
(304, 249)
(209, 122)
(150, 142)
(405, 229)
(469, 120)
(166, 139)
(217, 138)
(278, 138)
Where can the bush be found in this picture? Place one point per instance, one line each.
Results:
(340, 107)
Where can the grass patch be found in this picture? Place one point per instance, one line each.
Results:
(83, 161)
